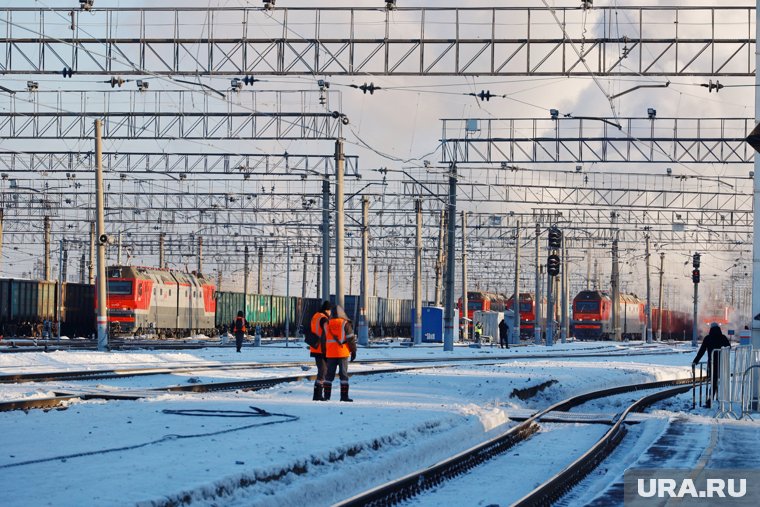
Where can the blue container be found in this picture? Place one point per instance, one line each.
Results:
(432, 324)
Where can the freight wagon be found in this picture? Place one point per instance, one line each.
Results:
(25, 304)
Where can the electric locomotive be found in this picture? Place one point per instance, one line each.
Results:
(592, 316)
(156, 301)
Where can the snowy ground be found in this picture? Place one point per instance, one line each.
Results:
(162, 451)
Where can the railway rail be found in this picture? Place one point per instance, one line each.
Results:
(142, 371)
(64, 395)
(406, 487)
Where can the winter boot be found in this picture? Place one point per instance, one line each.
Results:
(318, 393)
(327, 391)
(344, 393)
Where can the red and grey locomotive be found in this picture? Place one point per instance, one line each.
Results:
(159, 301)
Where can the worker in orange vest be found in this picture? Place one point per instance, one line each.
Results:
(318, 336)
(239, 327)
(340, 345)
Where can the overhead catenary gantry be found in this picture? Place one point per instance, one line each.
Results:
(674, 192)
(478, 41)
(560, 139)
(177, 164)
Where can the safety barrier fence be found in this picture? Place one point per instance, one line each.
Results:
(731, 379)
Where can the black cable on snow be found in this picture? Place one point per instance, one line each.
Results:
(256, 412)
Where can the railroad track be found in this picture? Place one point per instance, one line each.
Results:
(64, 395)
(406, 487)
(15, 378)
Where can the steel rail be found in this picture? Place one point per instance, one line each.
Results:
(557, 486)
(131, 372)
(412, 484)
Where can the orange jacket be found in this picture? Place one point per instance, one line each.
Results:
(317, 330)
(337, 344)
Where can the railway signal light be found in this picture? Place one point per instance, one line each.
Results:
(555, 238)
(695, 276)
(552, 265)
(695, 261)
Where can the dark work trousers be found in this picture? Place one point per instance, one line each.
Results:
(321, 362)
(337, 363)
(239, 339)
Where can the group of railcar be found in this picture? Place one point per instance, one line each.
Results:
(170, 303)
(592, 317)
(26, 304)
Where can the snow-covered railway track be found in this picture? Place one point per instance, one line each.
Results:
(412, 484)
(15, 378)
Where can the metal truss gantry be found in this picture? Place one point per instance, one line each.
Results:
(178, 164)
(678, 192)
(503, 41)
(593, 140)
(172, 114)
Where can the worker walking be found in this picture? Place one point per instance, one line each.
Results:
(340, 345)
(478, 332)
(239, 327)
(714, 340)
(316, 336)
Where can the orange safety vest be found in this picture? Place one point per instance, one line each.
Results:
(242, 325)
(337, 346)
(316, 329)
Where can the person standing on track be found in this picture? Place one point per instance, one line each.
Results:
(239, 327)
(340, 345)
(317, 335)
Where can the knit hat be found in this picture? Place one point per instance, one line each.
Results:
(714, 324)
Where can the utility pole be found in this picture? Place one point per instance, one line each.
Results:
(339, 223)
(755, 321)
(287, 297)
(91, 266)
(82, 268)
(118, 249)
(161, 251)
(1, 242)
(219, 279)
(200, 254)
(695, 280)
(388, 284)
(537, 298)
(596, 274)
(59, 302)
(325, 239)
(515, 338)
(418, 275)
(465, 302)
(300, 321)
(448, 311)
(615, 282)
(102, 319)
(439, 260)
(245, 282)
(564, 331)
(363, 336)
(46, 260)
(260, 280)
(318, 288)
(662, 272)
(374, 284)
(649, 293)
